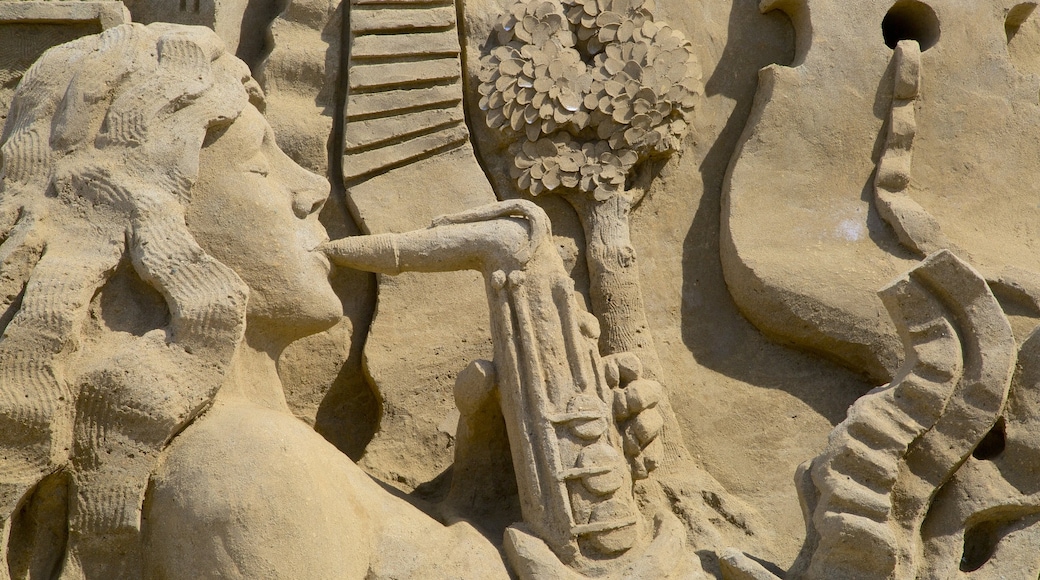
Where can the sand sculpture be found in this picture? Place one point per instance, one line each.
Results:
(822, 367)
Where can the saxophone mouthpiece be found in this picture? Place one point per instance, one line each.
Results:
(375, 253)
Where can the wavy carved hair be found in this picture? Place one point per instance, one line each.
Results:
(98, 156)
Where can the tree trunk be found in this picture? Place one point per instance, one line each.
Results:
(617, 298)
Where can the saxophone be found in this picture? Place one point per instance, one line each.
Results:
(557, 396)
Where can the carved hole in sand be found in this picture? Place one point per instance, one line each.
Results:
(1016, 17)
(980, 543)
(910, 20)
(1023, 38)
(993, 443)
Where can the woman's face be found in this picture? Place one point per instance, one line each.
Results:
(256, 210)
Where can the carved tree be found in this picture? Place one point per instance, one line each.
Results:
(588, 91)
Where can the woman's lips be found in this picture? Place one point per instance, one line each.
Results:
(319, 253)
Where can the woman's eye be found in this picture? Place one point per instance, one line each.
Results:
(258, 165)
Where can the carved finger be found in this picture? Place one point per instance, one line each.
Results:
(611, 373)
(621, 411)
(646, 426)
(589, 325)
(639, 469)
(622, 368)
(474, 385)
(653, 454)
(642, 394)
(647, 460)
(630, 442)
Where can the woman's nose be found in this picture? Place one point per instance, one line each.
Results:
(309, 194)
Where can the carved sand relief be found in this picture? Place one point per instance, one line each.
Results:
(300, 73)
(120, 434)
(589, 101)
(27, 29)
(816, 138)
(558, 398)
(885, 467)
(916, 229)
(585, 92)
(937, 413)
(939, 528)
(597, 478)
(404, 99)
(142, 335)
(100, 423)
(405, 145)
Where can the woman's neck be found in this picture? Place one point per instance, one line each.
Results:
(253, 375)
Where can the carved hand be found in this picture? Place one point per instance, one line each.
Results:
(636, 412)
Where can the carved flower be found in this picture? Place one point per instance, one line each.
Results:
(600, 22)
(622, 23)
(639, 102)
(548, 164)
(535, 89)
(535, 23)
(559, 80)
(605, 170)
